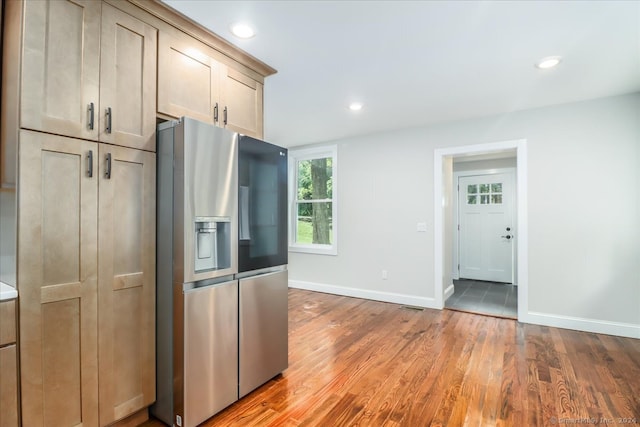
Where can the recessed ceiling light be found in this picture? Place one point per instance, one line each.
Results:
(548, 62)
(355, 106)
(242, 30)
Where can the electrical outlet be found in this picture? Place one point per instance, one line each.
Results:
(384, 275)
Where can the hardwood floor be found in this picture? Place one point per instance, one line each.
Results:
(365, 363)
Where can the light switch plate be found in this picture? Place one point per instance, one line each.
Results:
(421, 227)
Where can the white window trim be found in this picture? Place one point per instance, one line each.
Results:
(296, 155)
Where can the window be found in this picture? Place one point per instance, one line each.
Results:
(313, 200)
(490, 194)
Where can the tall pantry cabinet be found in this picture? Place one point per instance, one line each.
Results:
(86, 222)
(80, 81)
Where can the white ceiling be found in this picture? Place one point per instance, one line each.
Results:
(416, 63)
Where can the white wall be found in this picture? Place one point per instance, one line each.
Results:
(584, 209)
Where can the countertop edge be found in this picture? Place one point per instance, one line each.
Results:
(7, 292)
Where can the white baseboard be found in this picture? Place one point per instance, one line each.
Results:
(544, 319)
(581, 324)
(365, 294)
(449, 291)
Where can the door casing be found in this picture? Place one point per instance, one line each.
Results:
(442, 276)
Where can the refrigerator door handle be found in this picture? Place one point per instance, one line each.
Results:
(243, 213)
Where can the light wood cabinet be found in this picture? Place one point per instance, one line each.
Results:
(57, 260)
(79, 83)
(7, 322)
(8, 386)
(61, 64)
(75, 354)
(127, 80)
(8, 365)
(89, 71)
(242, 97)
(126, 281)
(191, 82)
(188, 79)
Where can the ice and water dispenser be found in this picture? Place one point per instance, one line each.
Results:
(198, 200)
(212, 243)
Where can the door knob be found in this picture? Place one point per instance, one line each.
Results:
(508, 236)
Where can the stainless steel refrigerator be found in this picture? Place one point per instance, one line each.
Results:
(197, 290)
(262, 262)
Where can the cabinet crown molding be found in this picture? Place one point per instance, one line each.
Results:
(199, 32)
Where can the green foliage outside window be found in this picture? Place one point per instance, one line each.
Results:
(315, 185)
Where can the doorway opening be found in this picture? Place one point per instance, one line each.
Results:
(492, 298)
(484, 264)
(446, 237)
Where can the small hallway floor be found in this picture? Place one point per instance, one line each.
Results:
(496, 299)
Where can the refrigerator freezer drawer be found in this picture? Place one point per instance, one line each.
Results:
(264, 341)
(210, 351)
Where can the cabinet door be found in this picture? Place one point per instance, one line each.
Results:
(126, 280)
(57, 260)
(127, 80)
(60, 71)
(242, 101)
(7, 322)
(188, 80)
(8, 387)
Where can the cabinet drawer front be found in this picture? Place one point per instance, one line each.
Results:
(7, 322)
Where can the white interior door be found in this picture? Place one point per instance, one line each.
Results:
(486, 227)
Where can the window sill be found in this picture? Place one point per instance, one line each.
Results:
(314, 249)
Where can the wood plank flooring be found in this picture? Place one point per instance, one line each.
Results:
(355, 362)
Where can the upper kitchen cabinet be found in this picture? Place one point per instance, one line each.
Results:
(242, 100)
(89, 71)
(188, 79)
(193, 81)
(127, 80)
(61, 64)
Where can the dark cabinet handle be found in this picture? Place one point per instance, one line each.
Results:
(108, 117)
(90, 164)
(215, 113)
(225, 115)
(90, 108)
(508, 236)
(107, 172)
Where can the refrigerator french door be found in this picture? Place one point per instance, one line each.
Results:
(262, 205)
(262, 262)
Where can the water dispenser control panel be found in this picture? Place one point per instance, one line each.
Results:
(212, 243)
